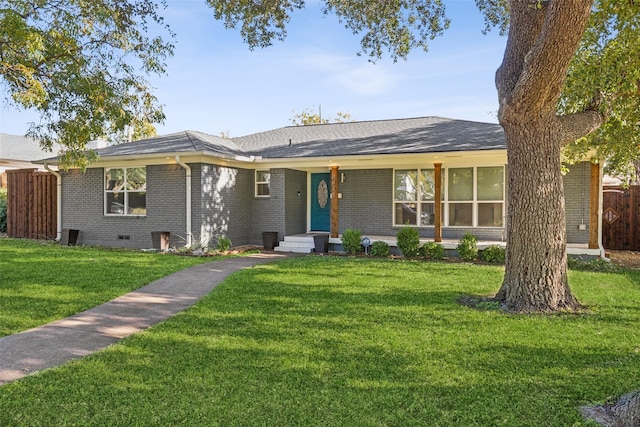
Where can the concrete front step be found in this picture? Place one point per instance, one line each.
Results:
(293, 249)
(296, 244)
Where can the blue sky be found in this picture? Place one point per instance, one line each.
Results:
(215, 84)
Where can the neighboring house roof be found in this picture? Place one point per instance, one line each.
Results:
(18, 151)
(399, 136)
(611, 180)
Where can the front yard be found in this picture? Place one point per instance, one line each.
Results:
(41, 281)
(339, 341)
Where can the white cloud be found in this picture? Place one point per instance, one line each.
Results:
(351, 74)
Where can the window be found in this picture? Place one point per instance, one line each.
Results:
(125, 191)
(414, 197)
(406, 197)
(461, 197)
(490, 196)
(474, 198)
(263, 179)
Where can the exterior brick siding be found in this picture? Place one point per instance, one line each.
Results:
(283, 211)
(367, 205)
(224, 203)
(295, 208)
(83, 208)
(268, 212)
(367, 201)
(576, 193)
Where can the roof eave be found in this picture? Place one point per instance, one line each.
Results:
(365, 161)
(161, 157)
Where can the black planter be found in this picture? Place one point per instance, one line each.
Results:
(269, 239)
(321, 242)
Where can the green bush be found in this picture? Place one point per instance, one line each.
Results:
(351, 241)
(494, 254)
(408, 242)
(3, 210)
(380, 248)
(224, 244)
(432, 250)
(468, 247)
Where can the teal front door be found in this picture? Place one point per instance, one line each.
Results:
(320, 202)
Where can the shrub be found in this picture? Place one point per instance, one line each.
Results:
(3, 210)
(432, 250)
(494, 254)
(468, 247)
(597, 264)
(224, 244)
(351, 241)
(408, 242)
(380, 248)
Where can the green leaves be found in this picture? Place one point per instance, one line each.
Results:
(260, 21)
(82, 65)
(605, 75)
(496, 14)
(396, 26)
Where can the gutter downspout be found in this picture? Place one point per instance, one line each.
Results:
(58, 201)
(188, 170)
(600, 201)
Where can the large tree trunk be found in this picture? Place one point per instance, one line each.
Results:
(624, 413)
(536, 270)
(543, 37)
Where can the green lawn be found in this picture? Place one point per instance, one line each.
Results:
(41, 281)
(336, 341)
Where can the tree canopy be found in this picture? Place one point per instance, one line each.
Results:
(310, 117)
(396, 26)
(82, 65)
(605, 75)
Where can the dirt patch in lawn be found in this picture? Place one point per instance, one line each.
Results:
(626, 259)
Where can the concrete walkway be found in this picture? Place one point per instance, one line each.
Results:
(92, 330)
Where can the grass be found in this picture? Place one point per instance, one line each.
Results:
(41, 281)
(324, 341)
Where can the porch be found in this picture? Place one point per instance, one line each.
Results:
(304, 243)
(359, 192)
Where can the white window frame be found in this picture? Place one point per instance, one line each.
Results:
(415, 202)
(477, 202)
(448, 203)
(125, 191)
(258, 183)
(445, 200)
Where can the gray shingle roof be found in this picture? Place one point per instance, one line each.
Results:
(379, 137)
(21, 148)
(399, 136)
(181, 142)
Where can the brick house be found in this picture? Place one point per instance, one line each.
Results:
(443, 176)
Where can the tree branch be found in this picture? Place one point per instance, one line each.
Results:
(519, 43)
(546, 65)
(575, 126)
(538, 54)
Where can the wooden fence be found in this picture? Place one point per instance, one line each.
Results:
(621, 218)
(31, 204)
